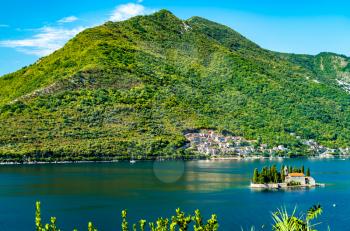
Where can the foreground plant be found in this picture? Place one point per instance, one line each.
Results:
(39, 226)
(181, 221)
(285, 222)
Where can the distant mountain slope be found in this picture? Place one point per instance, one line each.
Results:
(328, 68)
(136, 86)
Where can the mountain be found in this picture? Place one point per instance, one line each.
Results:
(137, 86)
(329, 68)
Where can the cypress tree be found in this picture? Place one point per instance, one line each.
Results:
(256, 176)
(273, 173)
(282, 174)
(302, 169)
(275, 177)
(308, 172)
(279, 175)
(261, 179)
(264, 175)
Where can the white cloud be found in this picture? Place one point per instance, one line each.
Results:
(50, 38)
(125, 11)
(139, 1)
(4, 25)
(46, 41)
(67, 19)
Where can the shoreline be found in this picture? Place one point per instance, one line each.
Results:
(278, 186)
(56, 162)
(251, 158)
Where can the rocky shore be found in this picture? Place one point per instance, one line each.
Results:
(284, 186)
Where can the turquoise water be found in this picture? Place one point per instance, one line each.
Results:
(78, 193)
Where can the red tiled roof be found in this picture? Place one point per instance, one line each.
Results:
(295, 174)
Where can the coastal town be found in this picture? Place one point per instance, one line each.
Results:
(213, 144)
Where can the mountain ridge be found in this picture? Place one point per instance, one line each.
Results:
(135, 87)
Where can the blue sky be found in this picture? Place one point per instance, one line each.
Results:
(30, 29)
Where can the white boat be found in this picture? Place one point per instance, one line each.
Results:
(132, 160)
(160, 159)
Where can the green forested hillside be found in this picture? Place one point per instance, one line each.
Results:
(136, 86)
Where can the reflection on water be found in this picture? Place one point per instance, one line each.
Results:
(76, 193)
(204, 176)
(169, 171)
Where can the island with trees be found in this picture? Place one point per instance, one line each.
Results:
(287, 177)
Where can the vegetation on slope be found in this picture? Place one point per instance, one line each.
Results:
(327, 68)
(135, 87)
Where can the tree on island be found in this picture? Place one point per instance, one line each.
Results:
(292, 169)
(256, 175)
(308, 172)
(270, 175)
(267, 175)
(283, 176)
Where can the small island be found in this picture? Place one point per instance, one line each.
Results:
(287, 177)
